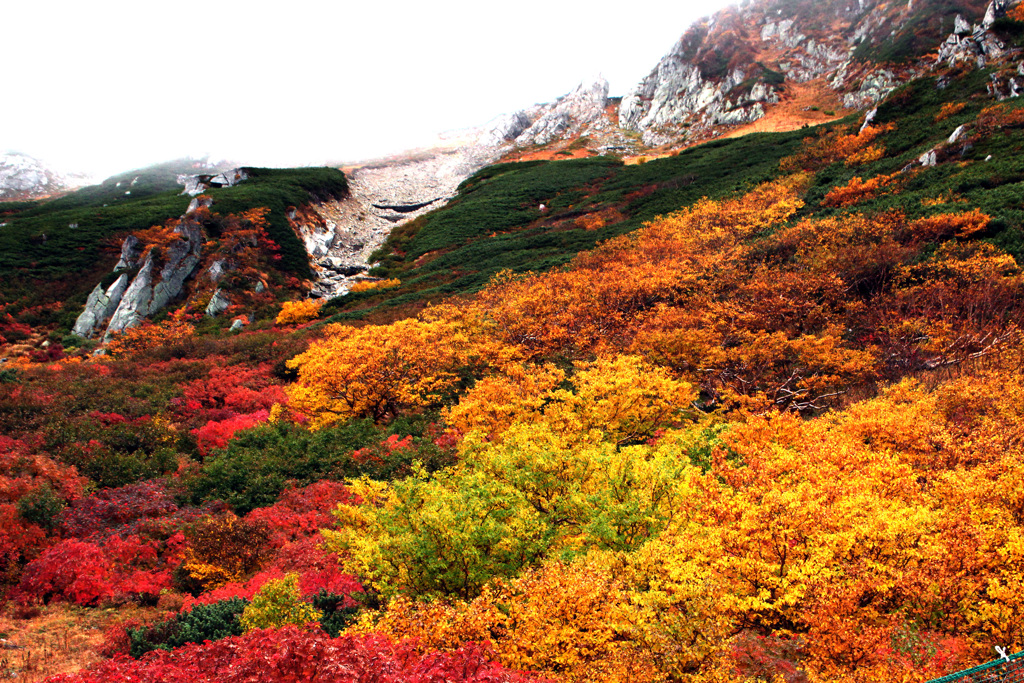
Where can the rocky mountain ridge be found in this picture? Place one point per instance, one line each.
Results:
(729, 69)
(23, 177)
(683, 100)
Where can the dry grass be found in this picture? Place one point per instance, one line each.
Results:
(803, 104)
(60, 639)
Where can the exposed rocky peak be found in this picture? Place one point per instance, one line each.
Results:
(732, 67)
(569, 116)
(24, 177)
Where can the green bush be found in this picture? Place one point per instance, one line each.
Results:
(335, 616)
(260, 463)
(41, 506)
(202, 622)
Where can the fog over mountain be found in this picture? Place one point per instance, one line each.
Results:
(115, 85)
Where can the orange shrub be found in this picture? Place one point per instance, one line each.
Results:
(298, 312)
(947, 225)
(857, 190)
(175, 330)
(368, 285)
(949, 109)
(838, 145)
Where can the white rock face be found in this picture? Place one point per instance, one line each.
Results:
(569, 115)
(197, 184)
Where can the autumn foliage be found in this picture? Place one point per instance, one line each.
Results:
(298, 312)
(758, 438)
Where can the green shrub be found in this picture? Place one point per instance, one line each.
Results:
(202, 622)
(41, 506)
(335, 616)
(259, 463)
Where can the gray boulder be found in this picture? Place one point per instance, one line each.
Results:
(100, 306)
(219, 303)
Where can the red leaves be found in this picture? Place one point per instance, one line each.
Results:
(237, 388)
(86, 574)
(302, 512)
(109, 509)
(217, 434)
(293, 655)
(18, 539)
(72, 570)
(230, 399)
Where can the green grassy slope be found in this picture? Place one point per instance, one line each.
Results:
(495, 223)
(58, 250)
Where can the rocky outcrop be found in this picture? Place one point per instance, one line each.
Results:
(197, 184)
(568, 116)
(100, 305)
(219, 303)
(975, 44)
(506, 128)
(675, 97)
(874, 87)
(131, 252)
(159, 280)
(807, 58)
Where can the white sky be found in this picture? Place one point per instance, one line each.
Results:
(103, 86)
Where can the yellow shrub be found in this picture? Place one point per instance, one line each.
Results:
(298, 312)
(278, 604)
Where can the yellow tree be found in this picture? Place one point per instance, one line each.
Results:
(376, 371)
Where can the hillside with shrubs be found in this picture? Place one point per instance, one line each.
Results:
(749, 412)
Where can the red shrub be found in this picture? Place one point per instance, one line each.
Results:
(301, 512)
(72, 570)
(88, 573)
(293, 654)
(217, 434)
(22, 470)
(19, 540)
(110, 509)
(235, 388)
